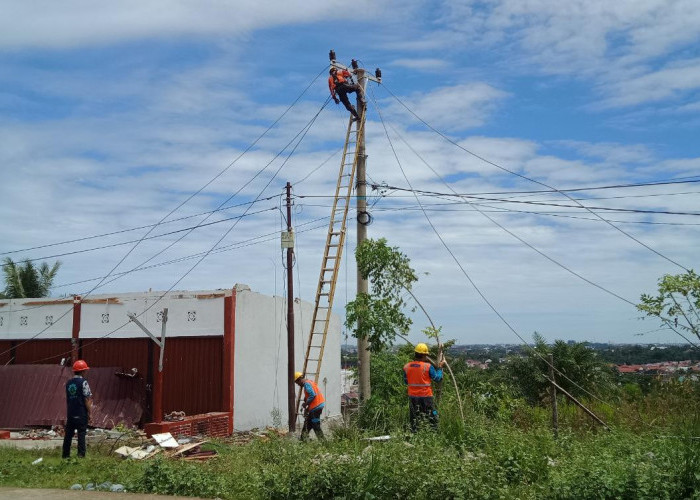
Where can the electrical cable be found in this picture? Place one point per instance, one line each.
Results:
(307, 127)
(161, 235)
(577, 206)
(245, 243)
(485, 160)
(471, 281)
(521, 240)
(179, 206)
(102, 235)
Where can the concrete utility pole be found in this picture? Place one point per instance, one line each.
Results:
(288, 243)
(363, 357)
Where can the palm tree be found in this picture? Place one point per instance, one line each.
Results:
(25, 280)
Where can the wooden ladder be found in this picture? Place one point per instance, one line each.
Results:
(333, 253)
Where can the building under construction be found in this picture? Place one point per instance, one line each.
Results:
(224, 360)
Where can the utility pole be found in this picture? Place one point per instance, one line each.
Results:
(288, 243)
(553, 395)
(363, 357)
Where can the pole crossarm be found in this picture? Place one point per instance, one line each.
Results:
(160, 343)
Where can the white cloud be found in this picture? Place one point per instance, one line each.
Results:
(421, 64)
(666, 83)
(73, 23)
(455, 108)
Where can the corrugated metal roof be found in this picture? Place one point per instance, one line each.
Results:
(35, 395)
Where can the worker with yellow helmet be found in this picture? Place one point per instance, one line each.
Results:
(313, 406)
(417, 376)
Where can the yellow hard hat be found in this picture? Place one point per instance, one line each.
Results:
(422, 348)
(297, 375)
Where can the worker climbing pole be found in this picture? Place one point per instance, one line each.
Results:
(340, 84)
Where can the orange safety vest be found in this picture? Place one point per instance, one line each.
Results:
(316, 401)
(418, 378)
(340, 77)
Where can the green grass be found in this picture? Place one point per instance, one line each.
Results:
(480, 458)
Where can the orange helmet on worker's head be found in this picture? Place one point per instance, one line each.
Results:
(80, 366)
(297, 376)
(422, 348)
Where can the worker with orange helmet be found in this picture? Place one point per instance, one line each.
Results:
(417, 376)
(79, 402)
(313, 406)
(340, 84)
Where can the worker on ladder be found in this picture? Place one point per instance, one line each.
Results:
(313, 406)
(340, 84)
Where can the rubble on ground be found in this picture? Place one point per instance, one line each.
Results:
(166, 445)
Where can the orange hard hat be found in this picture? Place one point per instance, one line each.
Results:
(80, 366)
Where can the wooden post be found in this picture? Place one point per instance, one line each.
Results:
(291, 392)
(553, 395)
(579, 404)
(75, 334)
(229, 355)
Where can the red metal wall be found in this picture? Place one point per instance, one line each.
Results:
(45, 352)
(5, 357)
(127, 353)
(192, 366)
(192, 375)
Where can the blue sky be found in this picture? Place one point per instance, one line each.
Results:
(113, 114)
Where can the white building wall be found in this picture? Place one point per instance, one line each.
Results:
(190, 314)
(260, 358)
(22, 319)
(260, 363)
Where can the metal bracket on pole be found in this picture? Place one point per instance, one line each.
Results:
(160, 343)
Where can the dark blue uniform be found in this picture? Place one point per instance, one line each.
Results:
(77, 391)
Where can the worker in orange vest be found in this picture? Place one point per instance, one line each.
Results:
(418, 375)
(340, 84)
(313, 406)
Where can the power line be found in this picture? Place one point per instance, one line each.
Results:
(94, 236)
(183, 203)
(156, 236)
(485, 160)
(577, 206)
(235, 246)
(521, 240)
(471, 281)
(226, 233)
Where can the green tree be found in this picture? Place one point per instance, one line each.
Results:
(379, 316)
(676, 304)
(577, 369)
(25, 280)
